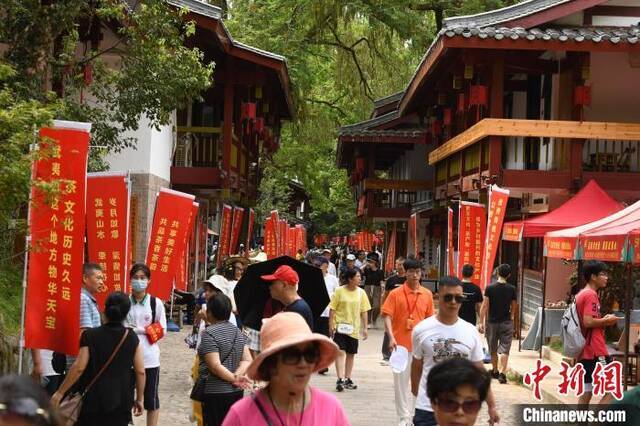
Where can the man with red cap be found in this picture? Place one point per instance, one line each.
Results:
(283, 286)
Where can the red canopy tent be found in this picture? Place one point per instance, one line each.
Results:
(589, 204)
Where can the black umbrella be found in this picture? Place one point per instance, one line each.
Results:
(252, 292)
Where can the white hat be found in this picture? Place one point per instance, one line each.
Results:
(351, 257)
(225, 287)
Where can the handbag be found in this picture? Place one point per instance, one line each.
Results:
(71, 406)
(154, 331)
(198, 390)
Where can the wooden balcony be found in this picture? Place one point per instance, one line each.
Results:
(539, 154)
(396, 184)
(197, 158)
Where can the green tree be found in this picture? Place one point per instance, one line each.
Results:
(108, 62)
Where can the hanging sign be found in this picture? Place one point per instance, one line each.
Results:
(450, 266)
(498, 198)
(512, 231)
(57, 227)
(168, 240)
(471, 234)
(108, 230)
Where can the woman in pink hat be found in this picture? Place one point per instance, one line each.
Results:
(290, 354)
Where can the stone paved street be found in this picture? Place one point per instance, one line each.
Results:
(371, 404)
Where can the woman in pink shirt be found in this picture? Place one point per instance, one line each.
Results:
(290, 354)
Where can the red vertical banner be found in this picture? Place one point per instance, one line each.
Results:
(236, 228)
(450, 266)
(182, 274)
(292, 241)
(471, 230)
(498, 198)
(168, 239)
(275, 218)
(413, 233)
(391, 250)
(107, 229)
(270, 238)
(57, 227)
(283, 236)
(252, 218)
(223, 238)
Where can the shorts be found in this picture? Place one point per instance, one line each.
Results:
(499, 336)
(151, 399)
(346, 343)
(590, 365)
(253, 338)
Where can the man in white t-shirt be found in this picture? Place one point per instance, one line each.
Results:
(326, 253)
(440, 337)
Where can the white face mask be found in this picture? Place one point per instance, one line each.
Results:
(139, 284)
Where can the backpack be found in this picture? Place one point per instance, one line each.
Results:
(573, 341)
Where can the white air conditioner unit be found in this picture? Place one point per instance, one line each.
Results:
(535, 203)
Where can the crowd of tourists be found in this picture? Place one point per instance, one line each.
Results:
(244, 376)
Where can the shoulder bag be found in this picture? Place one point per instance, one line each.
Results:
(71, 406)
(199, 387)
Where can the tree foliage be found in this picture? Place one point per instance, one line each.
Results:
(342, 55)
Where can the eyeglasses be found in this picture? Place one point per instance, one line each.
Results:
(293, 355)
(451, 297)
(24, 407)
(451, 405)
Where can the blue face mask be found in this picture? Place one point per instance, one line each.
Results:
(139, 285)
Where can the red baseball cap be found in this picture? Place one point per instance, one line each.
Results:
(283, 273)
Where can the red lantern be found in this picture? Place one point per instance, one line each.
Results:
(582, 96)
(248, 111)
(462, 102)
(259, 125)
(478, 95)
(446, 116)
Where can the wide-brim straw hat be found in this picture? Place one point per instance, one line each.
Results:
(289, 329)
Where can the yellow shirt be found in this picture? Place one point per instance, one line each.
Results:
(348, 306)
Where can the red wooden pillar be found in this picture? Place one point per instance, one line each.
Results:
(496, 110)
(227, 126)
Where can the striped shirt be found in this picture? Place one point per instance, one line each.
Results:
(89, 314)
(229, 342)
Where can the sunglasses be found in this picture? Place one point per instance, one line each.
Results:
(448, 298)
(24, 407)
(451, 405)
(293, 355)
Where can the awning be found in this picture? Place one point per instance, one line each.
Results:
(589, 204)
(616, 241)
(565, 243)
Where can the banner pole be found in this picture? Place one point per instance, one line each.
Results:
(27, 248)
(128, 234)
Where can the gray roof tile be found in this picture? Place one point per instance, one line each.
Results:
(613, 35)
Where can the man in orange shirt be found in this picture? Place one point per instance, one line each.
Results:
(404, 308)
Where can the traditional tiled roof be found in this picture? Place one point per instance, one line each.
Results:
(199, 7)
(498, 16)
(387, 99)
(367, 124)
(383, 133)
(595, 34)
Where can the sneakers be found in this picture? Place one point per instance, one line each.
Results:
(348, 384)
(502, 378)
(323, 371)
(494, 374)
(340, 385)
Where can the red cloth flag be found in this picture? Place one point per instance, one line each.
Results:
(283, 227)
(252, 218)
(225, 232)
(270, 238)
(57, 226)
(391, 250)
(450, 252)
(182, 277)
(168, 239)
(275, 218)
(471, 230)
(498, 198)
(108, 230)
(238, 217)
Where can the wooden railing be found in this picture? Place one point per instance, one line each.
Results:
(391, 199)
(198, 147)
(611, 156)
